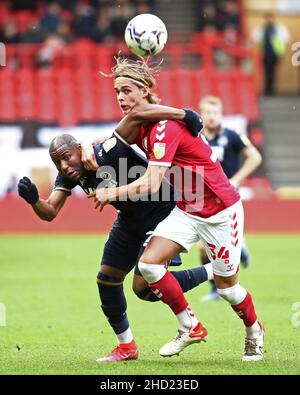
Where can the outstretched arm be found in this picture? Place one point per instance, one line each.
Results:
(252, 160)
(128, 127)
(48, 209)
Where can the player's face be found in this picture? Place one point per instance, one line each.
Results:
(68, 162)
(212, 115)
(129, 94)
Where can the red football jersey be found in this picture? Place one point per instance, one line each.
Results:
(195, 172)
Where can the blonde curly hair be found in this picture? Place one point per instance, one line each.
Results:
(139, 72)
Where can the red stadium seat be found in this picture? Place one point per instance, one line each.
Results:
(25, 94)
(46, 104)
(23, 19)
(85, 98)
(66, 97)
(7, 95)
(107, 106)
(225, 88)
(247, 99)
(83, 51)
(5, 13)
(7, 79)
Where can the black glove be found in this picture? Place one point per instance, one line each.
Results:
(28, 191)
(193, 121)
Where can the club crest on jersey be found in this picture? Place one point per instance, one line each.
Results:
(159, 150)
(109, 144)
(223, 141)
(105, 176)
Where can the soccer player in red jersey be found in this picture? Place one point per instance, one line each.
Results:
(209, 208)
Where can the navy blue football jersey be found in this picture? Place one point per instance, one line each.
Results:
(120, 165)
(228, 146)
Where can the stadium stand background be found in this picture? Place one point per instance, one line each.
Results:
(50, 83)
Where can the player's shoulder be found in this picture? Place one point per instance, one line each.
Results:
(113, 147)
(63, 183)
(230, 133)
(237, 137)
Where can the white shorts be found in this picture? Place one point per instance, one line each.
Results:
(222, 235)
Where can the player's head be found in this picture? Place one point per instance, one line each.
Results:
(65, 153)
(134, 81)
(211, 110)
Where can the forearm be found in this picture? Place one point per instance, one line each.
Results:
(129, 126)
(44, 210)
(156, 112)
(104, 136)
(139, 188)
(249, 166)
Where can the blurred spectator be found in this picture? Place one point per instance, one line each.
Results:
(102, 31)
(51, 19)
(84, 20)
(120, 17)
(142, 7)
(208, 16)
(98, 4)
(23, 5)
(51, 49)
(35, 33)
(64, 32)
(68, 4)
(272, 39)
(9, 33)
(229, 14)
(231, 35)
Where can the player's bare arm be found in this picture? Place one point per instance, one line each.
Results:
(129, 126)
(147, 184)
(252, 159)
(48, 209)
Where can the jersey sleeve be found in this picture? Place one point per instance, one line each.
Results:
(165, 138)
(107, 152)
(240, 141)
(63, 184)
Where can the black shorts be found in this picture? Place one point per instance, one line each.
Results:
(128, 239)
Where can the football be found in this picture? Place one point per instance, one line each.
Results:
(146, 35)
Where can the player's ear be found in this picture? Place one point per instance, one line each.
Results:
(145, 92)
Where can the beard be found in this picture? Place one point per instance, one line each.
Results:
(213, 129)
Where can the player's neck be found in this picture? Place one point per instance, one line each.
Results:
(210, 133)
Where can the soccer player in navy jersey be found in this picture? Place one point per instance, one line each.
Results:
(209, 207)
(117, 164)
(230, 148)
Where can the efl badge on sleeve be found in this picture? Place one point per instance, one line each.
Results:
(159, 150)
(245, 140)
(109, 144)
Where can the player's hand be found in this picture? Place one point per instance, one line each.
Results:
(28, 191)
(193, 121)
(88, 157)
(234, 183)
(102, 197)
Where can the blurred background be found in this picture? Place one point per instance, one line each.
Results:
(51, 53)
